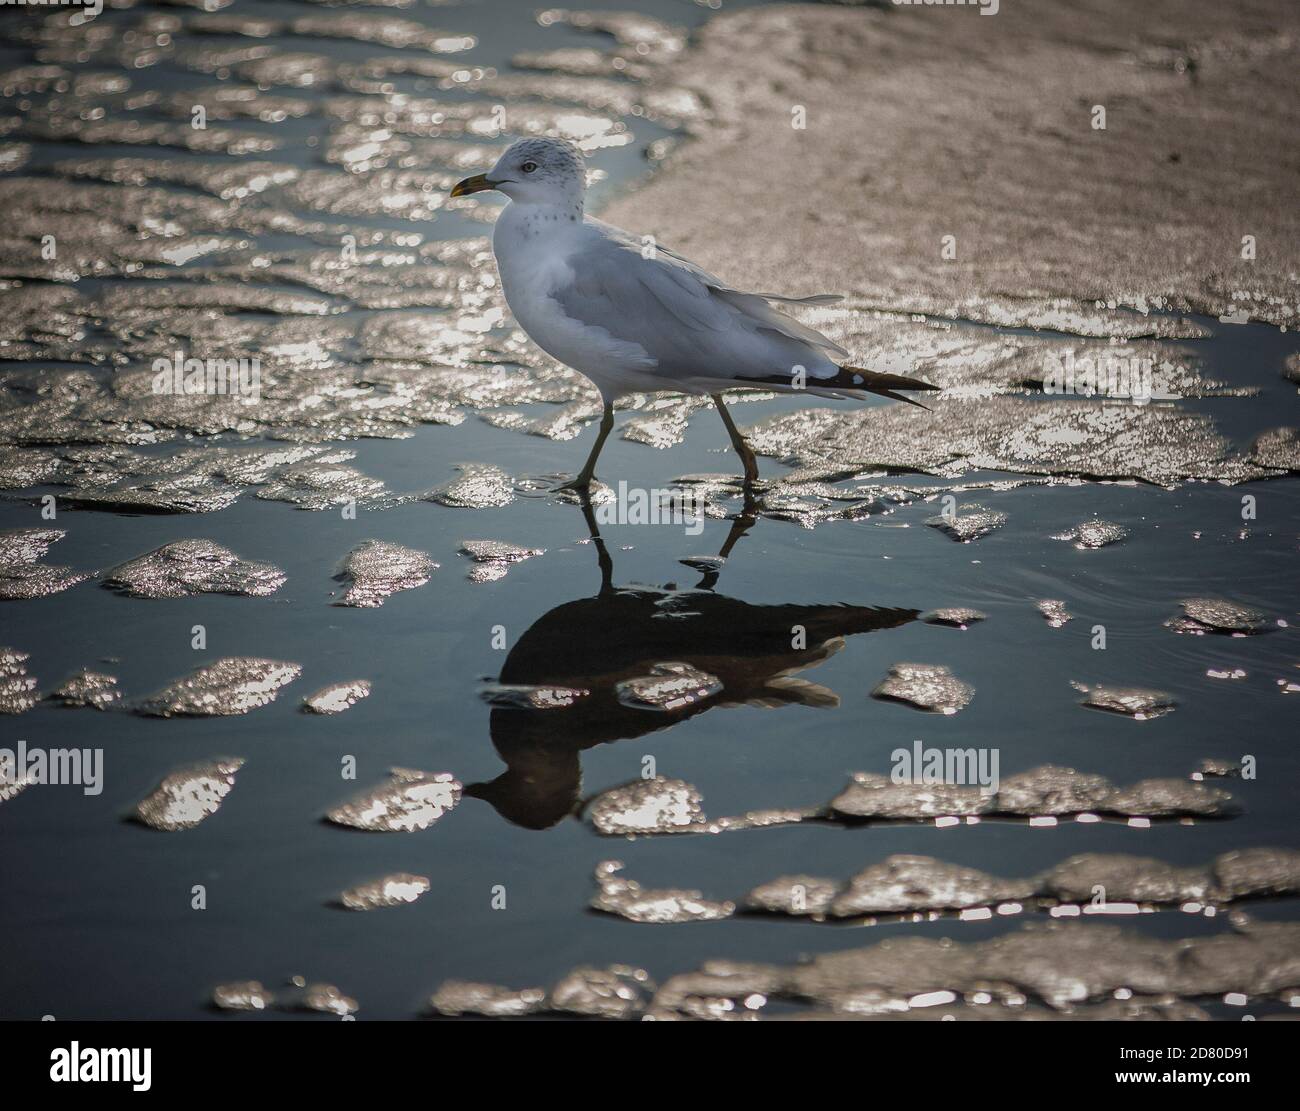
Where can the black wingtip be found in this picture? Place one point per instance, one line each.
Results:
(856, 378)
(902, 397)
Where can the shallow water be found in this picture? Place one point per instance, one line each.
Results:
(500, 659)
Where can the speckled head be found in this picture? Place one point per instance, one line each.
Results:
(535, 171)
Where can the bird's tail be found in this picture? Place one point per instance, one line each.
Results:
(856, 378)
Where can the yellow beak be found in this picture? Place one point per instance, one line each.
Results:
(476, 184)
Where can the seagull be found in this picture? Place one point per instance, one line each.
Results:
(633, 316)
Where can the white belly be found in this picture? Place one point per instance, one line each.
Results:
(530, 268)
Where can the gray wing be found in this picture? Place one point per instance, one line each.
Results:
(686, 319)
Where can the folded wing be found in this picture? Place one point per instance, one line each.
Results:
(687, 320)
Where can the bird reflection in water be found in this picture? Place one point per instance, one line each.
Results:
(595, 644)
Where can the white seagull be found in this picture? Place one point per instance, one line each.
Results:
(636, 317)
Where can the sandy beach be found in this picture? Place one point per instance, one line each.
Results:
(922, 123)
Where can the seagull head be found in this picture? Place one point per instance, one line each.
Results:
(534, 171)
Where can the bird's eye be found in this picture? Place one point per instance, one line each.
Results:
(528, 167)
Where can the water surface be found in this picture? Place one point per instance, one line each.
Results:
(414, 373)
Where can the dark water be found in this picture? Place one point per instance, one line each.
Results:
(97, 910)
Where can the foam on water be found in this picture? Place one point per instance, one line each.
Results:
(337, 697)
(188, 796)
(1139, 703)
(18, 692)
(1107, 883)
(92, 689)
(410, 800)
(929, 687)
(399, 889)
(22, 572)
(628, 899)
(375, 570)
(660, 805)
(234, 685)
(187, 567)
(1063, 969)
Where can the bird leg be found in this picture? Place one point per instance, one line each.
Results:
(583, 481)
(603, 558)
(743, 449)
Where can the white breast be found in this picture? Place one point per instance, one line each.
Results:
(531, 244)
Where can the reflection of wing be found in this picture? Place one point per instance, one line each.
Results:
(685, 318)
(593, 644)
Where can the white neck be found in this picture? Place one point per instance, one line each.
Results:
(527, 220)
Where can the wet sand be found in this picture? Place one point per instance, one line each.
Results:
(926, 122)
(424, 690)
